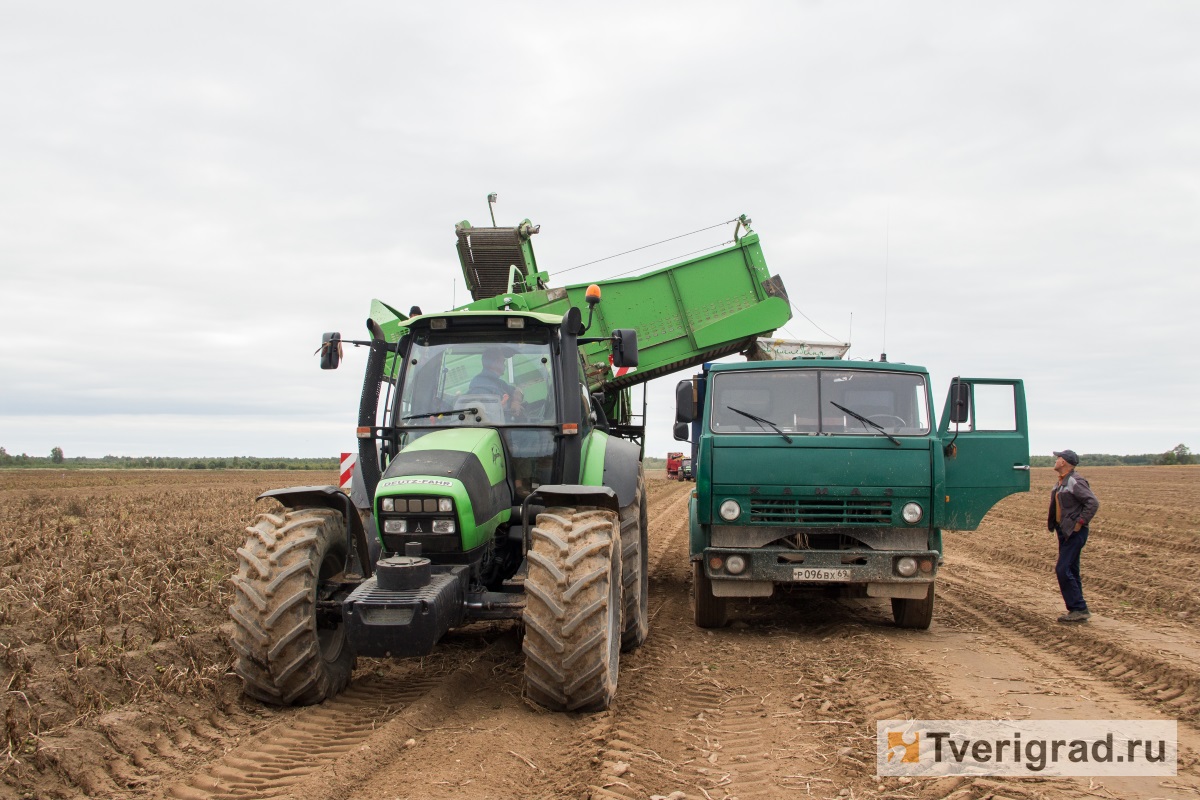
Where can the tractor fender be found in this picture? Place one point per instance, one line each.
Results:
(610, 461)
(359, 560)
(621, 461)
(570, 494)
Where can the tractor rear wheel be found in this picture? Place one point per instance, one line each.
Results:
(710, 611)
(573, 609)
(285, 654)
(635, 568)
(913, 613)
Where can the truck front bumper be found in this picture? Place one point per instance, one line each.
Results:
(763, 567)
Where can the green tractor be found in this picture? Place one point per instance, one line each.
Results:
(499, 477)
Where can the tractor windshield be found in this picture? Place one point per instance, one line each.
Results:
(821, 401)
(455, 379)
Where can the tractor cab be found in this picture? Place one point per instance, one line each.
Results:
(497, 376)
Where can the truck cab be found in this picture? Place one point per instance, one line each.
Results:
(829, 475)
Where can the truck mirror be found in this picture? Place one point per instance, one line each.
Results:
(331, 350)
(681, 431)
(685, 403)
(960, 401)
(624, 347)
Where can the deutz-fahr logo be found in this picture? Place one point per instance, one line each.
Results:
(415, 481)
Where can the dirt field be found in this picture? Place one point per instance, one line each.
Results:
(116, 676)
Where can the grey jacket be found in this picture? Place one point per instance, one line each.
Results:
(1078, 502)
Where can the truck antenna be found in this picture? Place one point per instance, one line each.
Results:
(887, 259)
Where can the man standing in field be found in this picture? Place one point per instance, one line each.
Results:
(1072, 506)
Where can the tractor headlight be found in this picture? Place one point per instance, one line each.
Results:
(443, 526)
(730, 510)
(395, 526)
(445, 505)
(912, 513)
(387, 504)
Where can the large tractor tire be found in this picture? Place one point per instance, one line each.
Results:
(913, 613)
(635, 568)
(284, 655)
(710, 611)
(573, 609)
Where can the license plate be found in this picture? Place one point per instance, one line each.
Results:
(815, 574)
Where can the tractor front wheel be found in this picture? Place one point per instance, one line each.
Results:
(573, 609)
(286, 654)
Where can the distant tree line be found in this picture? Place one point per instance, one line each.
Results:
(58, 460)
(1179, 454)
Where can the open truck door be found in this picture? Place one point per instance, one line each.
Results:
(986, 452)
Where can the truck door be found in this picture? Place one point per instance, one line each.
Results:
(987, 456)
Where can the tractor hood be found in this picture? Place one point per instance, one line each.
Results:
(458, 461)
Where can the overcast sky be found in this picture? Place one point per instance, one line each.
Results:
(190, 193)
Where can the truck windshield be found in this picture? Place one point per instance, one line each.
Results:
(454, 379)
(806, 401)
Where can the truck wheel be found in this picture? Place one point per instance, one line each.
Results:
(635, 568)
(912, 613)
(285, 655)
(711, 611)
(573, 609)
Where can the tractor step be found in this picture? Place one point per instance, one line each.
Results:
(517, 581)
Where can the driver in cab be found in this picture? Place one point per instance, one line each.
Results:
(490, 381)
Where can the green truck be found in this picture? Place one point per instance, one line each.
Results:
(825, 475)
(499, 474)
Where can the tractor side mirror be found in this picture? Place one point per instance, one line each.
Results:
(624, 347)
(685, 404)
(960, 401)
(573, 322)
(681, 431)
(331, 350)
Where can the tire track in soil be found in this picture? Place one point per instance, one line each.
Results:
(289, 751)
(1146, 587)
(626, 764)
(1136, 673)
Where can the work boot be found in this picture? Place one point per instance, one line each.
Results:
(1072, 617)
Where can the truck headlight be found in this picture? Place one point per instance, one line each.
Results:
(730, 510)
(912, 513)
(735, 565)
(906, 567)
(395, 526)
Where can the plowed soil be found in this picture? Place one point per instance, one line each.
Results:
(117, 681)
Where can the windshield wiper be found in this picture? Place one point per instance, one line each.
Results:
(866, 421)
(761, 421)
(440, 413)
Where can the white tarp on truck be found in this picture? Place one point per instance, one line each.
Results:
(787, 349)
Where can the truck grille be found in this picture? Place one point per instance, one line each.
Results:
(814, 513)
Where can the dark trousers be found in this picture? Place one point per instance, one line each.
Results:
(1067, 568)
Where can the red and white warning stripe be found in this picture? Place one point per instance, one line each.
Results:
(347, 470)
(619, 371)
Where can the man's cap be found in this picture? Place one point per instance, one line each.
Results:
(1068, 456)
